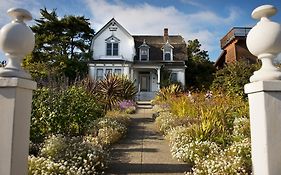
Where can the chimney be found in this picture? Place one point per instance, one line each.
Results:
(166, 34)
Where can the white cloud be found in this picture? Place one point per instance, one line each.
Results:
(31, 5)
(193, 3)
(143, 18)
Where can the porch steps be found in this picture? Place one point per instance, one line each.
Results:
(144, 105)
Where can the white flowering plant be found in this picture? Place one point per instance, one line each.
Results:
(109, 130)
(68, 155)
(212, 135)
(233, 160)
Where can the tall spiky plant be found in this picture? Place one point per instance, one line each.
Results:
(110, 90)
(128, 87)
(113, 89)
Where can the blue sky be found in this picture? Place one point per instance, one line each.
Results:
(207, 20)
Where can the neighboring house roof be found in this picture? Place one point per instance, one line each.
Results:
(156, 44)
(234, 33)
(231, 45)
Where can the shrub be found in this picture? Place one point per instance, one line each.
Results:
(186, 148)
(109, 130)
(166, 93)
(69, 112)
(113, 89)
(232, 78)
(183, 106)
(119, 116)
(71, 154)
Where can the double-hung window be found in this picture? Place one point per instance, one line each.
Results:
(144, 51)
(117, 71)
(99, 74)
(167, 52)
(112, 46)
(144, 54)
(112, 49)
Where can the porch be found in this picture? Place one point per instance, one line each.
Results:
(147, 80)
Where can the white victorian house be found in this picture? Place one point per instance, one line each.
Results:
(140, 57)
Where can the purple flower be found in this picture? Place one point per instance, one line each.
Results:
(125, 104)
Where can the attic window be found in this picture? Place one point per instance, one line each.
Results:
(112, 46)
(144, 52)
(167, 52)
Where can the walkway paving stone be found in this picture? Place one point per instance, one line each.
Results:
(144, 150)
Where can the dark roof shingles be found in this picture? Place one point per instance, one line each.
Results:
(157, 42)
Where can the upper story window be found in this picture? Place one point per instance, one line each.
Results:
(167, 52)
(112, 46)
(144, 52)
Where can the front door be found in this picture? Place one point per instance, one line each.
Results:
(145, 82)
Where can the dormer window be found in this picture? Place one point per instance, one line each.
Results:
(112, 46)
(144, 52)
(167, 52)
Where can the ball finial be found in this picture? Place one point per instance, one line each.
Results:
(16, 40)
(264, 41)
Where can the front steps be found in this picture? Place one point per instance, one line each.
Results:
(144, 105)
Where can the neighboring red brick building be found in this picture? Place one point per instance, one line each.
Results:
(234, 47)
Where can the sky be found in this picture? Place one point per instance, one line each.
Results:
(206, 20)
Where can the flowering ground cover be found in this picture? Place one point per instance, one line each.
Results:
(211, 134)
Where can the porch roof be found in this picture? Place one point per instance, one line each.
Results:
(121, 61)
(154, 64)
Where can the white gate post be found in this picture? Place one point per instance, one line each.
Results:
(16, 40)
(264, 92)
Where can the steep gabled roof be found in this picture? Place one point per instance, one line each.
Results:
(157, 42)
(107, 25)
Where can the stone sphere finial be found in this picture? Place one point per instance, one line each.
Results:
(264, 41)
(16, 40)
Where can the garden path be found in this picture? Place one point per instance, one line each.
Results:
(144, 150)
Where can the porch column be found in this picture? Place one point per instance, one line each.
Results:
(158, 78)
(132, 74)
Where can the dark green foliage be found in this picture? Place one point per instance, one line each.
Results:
(232, 78)
(62, 46)
(199, 71)
(68, 112)
(113, 89)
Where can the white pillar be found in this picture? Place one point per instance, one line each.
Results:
(264, 41)
(158, 78)
(16, 40)
(265, 118)
(15, 108)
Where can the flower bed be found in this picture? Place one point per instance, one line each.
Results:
(70, 134)
(212, 135)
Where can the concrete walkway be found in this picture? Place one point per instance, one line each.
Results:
(144, 151)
